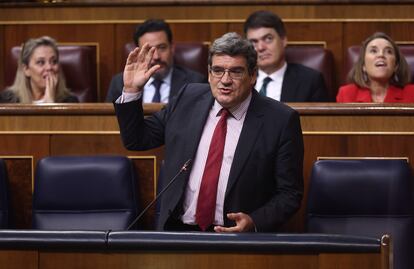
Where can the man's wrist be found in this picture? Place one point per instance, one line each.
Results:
(131, 90)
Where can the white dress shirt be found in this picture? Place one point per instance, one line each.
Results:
(149, 89)
(234, 127)
(274, 88)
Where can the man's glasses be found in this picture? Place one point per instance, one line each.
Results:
(234, 73)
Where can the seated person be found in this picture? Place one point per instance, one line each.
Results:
(380, 75)
(39, 78)
(285, 82)
(169, 79)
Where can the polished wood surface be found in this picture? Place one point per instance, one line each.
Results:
(29, 133)
(43, 259)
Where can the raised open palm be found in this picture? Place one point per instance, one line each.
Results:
(138, 68)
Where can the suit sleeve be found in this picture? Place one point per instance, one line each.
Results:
(143, 133)
(137, 132)
(288, 175)
(321, 93)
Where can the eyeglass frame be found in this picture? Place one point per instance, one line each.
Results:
(229, 71)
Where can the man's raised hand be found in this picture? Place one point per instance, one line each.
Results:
(138, 69)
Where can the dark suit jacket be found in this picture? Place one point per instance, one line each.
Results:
(351, 93)
(265, 179)
(303, 84)
(179, 78)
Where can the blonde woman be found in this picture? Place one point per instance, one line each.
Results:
(39, 78)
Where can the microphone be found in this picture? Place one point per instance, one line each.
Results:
(183, 168)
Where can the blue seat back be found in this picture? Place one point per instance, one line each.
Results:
(367, 197)
(87, 193)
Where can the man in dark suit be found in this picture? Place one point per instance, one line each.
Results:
(157, 33)
(285, 82)
(252, 164)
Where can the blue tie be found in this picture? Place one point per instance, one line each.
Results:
(263, 89)
(157, 95)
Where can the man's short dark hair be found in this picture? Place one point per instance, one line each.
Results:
(233, 44)
(152, 25)
(267, 19)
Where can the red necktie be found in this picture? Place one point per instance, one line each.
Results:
(206, 204)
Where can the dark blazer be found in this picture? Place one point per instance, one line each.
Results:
(265, 179)
(303, 84)
(351, 93)
(180, 76)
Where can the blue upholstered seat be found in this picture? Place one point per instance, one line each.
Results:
(366, 197)
(84, 193)
(4, 196)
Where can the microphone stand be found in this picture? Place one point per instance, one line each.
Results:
(183, 168)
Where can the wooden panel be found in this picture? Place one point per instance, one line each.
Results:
(171, 260)
(173, 10)
(20, 174)
(21, 153)
(330, 33)
(123, 35)
(168, 260)
(342, 261)
(2, 54)
(22, 259)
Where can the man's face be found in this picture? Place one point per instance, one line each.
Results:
(236, 83)
(163, 54)
(270, 48)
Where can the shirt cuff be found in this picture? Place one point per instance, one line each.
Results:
(127, 97)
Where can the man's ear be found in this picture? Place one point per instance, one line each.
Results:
(284, 41)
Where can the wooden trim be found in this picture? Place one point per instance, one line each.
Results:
(195, 21)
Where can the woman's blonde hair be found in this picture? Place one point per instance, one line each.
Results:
(21, 86)
(402, 75)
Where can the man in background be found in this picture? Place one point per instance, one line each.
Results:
(285, 82)
(167, 81)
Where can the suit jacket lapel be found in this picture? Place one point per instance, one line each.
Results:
(196, 123)
(289, 85)
(250, 131)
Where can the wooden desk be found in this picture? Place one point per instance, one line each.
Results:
(136, 249)
(29, 133)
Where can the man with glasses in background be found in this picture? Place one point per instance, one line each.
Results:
(246, 150)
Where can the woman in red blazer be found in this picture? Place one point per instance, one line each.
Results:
(381, 74)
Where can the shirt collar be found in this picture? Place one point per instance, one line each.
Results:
(278, 75)
(238, 111)
(166, 80)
